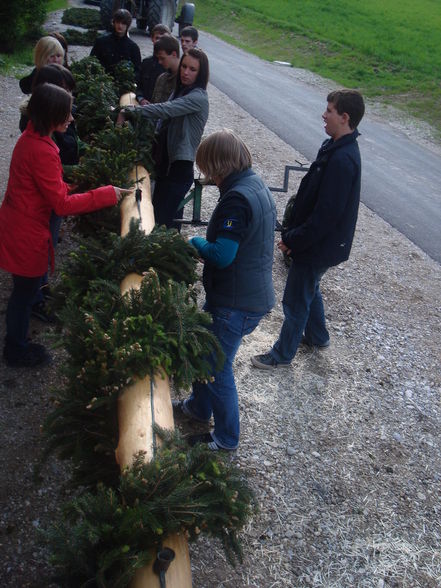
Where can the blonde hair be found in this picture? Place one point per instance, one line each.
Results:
(221, 154)
(46, 47)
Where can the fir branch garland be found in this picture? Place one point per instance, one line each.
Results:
(110, 257)
(95, 96)
(140, 333)
(108, 535)
(123, 75)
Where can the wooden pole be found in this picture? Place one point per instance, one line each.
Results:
(146, 402)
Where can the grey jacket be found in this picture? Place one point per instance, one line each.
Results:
(188, 115)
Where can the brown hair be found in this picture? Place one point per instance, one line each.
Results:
(160, 28)
(48, 107)
(222, 153)
(191, 32)
(349, 101)
(122, 15)
(54, 74)
(167, 43)
(204, 70)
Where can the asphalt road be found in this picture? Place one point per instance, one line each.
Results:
(401, 179)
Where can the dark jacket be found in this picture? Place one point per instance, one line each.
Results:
(151, 69)
(26, 82)
(246, 284)
(111, 49)
(319, 223)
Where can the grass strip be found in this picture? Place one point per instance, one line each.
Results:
(386, 50)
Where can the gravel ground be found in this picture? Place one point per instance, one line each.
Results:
(342, 449)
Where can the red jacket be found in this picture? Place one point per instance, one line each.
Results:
(35, 188)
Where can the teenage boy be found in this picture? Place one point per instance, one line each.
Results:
(189, 38)
(318, 229)
(151, 69)
(116, 46)
(167, 54)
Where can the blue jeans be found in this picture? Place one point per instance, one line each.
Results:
(303, 310)
(54, 227)
(18, 314)
(219, 398)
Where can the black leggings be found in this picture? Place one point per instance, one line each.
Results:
(170, 191)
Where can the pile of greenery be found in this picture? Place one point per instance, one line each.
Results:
(87, 18)
(107, 535)
(112, 340)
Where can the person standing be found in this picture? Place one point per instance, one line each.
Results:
(183, 120)
(167, 53)
(36, 188)
(47, 50)
(318, 229)
(116, 46)
(151, 69)
(238, 257)
(189, 38)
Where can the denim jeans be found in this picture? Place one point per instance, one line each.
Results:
(169, 191)
(219, 398)
(54, 227)
(18, 314)
(303, 310)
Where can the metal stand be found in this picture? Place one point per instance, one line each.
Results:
(196, 195)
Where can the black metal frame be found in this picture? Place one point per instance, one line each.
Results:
(195, 194)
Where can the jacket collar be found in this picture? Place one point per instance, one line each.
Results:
(232, 178)
(330, 144)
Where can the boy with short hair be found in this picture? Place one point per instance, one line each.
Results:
(116, 46)
(167, 54)
(189, 38)
(151, 69)
(318, 229)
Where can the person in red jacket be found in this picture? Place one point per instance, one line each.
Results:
(35, 188)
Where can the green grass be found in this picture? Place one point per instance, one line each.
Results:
(388, 49)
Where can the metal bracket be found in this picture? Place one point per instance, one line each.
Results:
(196, 195)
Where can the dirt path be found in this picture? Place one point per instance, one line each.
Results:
(343, 449)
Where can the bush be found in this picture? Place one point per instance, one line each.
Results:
(20, 21)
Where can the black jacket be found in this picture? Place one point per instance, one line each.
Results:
(151, 69)
(319, 223)
(111, 49)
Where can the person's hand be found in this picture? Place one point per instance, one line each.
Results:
(283, 248)
(121, 192)
(120, 119)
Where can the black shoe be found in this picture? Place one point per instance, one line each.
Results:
(180, 410)
(205, 439)
(40, 312)
(34, 355)
(305, 341)
(267, 362)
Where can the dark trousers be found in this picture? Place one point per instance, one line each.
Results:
(170, 191)
(303, 310)
(18, 314)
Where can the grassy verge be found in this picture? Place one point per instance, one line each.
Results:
(388, 50)
(17, 63)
